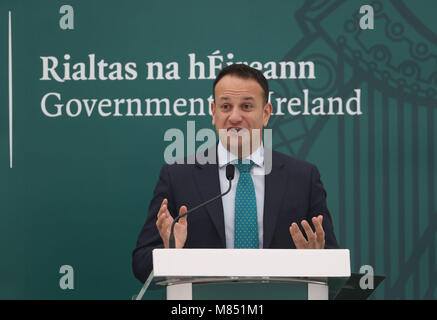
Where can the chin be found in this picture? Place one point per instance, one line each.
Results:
(239, 145)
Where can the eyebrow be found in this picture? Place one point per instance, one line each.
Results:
(244, 98)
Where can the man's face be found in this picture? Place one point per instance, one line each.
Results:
(239, 112)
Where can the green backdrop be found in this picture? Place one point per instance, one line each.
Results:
(79, 187)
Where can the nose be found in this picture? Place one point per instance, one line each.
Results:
(235, 116)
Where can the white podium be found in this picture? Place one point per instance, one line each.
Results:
(248, 273)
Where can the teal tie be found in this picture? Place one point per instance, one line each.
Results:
(246, 224)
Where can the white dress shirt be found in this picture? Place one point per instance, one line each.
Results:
(224, 158)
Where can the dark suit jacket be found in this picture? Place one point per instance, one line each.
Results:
(293, 192)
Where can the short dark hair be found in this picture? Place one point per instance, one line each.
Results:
(244, 71)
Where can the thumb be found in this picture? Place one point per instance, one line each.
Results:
(182, 210)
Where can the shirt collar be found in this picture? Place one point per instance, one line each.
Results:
(225, 157)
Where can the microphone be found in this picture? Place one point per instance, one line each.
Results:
(230, 172)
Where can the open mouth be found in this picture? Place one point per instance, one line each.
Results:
(236, 131)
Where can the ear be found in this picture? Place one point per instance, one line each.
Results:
(268, 109)
(213, 113)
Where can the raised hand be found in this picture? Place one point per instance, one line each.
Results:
(316, 240)
(164, 222)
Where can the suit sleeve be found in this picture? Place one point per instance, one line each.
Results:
(149, 237)
(318, 207)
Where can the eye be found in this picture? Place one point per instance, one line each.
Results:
(247, 106)
(226, 107)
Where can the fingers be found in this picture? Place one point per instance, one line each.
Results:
(314, 240)
(164, 219)
(297, 236)
(162, 209)
(311, 236)
(164, 222)
(181, 228)
(320, 233)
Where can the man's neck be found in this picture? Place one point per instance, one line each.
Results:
(242, 152)
(225, 156)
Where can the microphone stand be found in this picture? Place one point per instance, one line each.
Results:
(171, 241)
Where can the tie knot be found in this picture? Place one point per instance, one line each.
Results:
(243, 167)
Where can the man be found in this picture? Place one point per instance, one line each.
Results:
(285, 208)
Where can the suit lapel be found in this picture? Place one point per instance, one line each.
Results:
(208, 184)
(274, 189)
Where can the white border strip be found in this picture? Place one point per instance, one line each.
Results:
(10, 92)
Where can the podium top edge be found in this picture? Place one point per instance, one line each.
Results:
(252, 262)
(253, 250)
